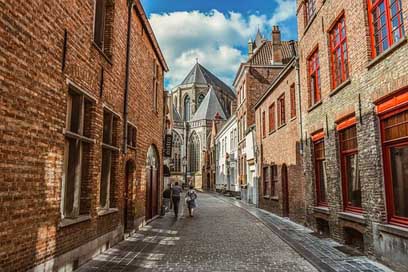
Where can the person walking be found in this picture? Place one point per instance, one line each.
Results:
(176, 192)
(166, 197)
(191, 198)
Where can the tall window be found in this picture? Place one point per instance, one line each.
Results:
(131, 136)
(386, 24)
(310, 10)
(103, 24)
(187, 108)
(109, 152)
(320, 172)
(76, 182)
(155, 85)
(194, 153)
(266, 180)
(200, 99)
(274, 180)
(314, 78)
(263, 125)
(281, 111)
(338, 52)
(349, 169)
(176, 154)
(292, 101)
(272, 125)
(394, 127)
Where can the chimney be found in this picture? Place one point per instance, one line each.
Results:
(250, 48)
(276, 45)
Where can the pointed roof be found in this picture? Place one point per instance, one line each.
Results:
(176, 114)
(200, 75)
(259, 39)
(209, 108)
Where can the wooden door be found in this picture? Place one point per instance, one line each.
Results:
(285, 191)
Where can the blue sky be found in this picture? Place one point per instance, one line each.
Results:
(214, 31)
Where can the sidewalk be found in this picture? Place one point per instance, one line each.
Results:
(320, 252)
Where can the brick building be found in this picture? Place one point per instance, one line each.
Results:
(282, 182)
(354, 91)
(81, 126)
(265, 61)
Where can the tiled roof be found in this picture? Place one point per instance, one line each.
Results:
(264, 54)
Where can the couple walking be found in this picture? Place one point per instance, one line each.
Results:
(190, 197)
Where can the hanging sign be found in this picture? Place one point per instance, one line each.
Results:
(168, 144)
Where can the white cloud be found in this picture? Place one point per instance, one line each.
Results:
(214, 38)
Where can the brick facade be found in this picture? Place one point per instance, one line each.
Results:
(369, 80)
(48, 52)
(280, 148)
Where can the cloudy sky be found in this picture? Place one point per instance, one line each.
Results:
(214, 31)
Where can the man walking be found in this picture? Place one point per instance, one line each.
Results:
(176, 192)
(166, 197)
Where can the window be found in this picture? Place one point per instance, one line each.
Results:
(266, 180)
(281, 110)
(349, 169)
(155, 85)
(131, 136)
(320, 172)
(310, 10)
(109, 156)
(292, 101)
(338, 53)
(200, 99)
(263, 125)
(386, 24)
(176, 154)
(272, 125)
(187, 108)
(274, 174)
(103, 25)
(314, 79)
(76, 182)
(394, 127)
(195, 153)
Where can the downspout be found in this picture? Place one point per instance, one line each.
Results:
(298, 87)
(127, 68)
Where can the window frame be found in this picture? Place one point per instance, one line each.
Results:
(263, 117)
(272, 118)
(292, 92)
(266, 180)
(342, 44)
(317, 178)
(313, 68)
(388, 182)
(310, 10)
(274, 180)
(388, 25)
(281, 111)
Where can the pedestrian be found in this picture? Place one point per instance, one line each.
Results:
(191, 198)
(166, 197)
(176, 192)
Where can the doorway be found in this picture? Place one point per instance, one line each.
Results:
(285, 191)
(152, 183)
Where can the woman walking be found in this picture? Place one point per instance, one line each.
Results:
(191, 197)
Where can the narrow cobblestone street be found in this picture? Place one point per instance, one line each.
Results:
(221, 237)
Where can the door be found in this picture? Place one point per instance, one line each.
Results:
(152, 183)
(285, 191)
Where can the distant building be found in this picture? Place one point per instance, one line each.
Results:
(195, 103)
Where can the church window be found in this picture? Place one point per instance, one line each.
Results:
(187, 108)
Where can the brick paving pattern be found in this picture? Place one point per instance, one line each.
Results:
(221, 237)
(321, 252)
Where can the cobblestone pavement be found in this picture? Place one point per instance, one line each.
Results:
(220, 237)
(321, 252)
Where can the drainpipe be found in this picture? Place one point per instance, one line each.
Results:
(298, 87)
(127, 68)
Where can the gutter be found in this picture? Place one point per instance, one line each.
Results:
(299, 90)
(127, 68)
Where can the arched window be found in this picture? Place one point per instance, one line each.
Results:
(200, 99)
(187, 108)
(194, 154)
(176, 156)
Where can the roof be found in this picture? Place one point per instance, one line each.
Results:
(176, 114)
(152, 38)
(264, 54)
(200, 75)
(209, 108)
(259, 39)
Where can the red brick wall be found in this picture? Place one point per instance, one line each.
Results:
(33, 109)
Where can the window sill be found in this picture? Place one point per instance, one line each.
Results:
(293, 118)
(272, 132)
(394, 230)
(321, 209)
(131, 147)
(314, 106)
(310, 23)
(358, 218)
(386, 53)
(69, 222)
(107, 58)
(103, 212)
(266, 196)
(340, 87)
(275, 198)
(281, 126)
